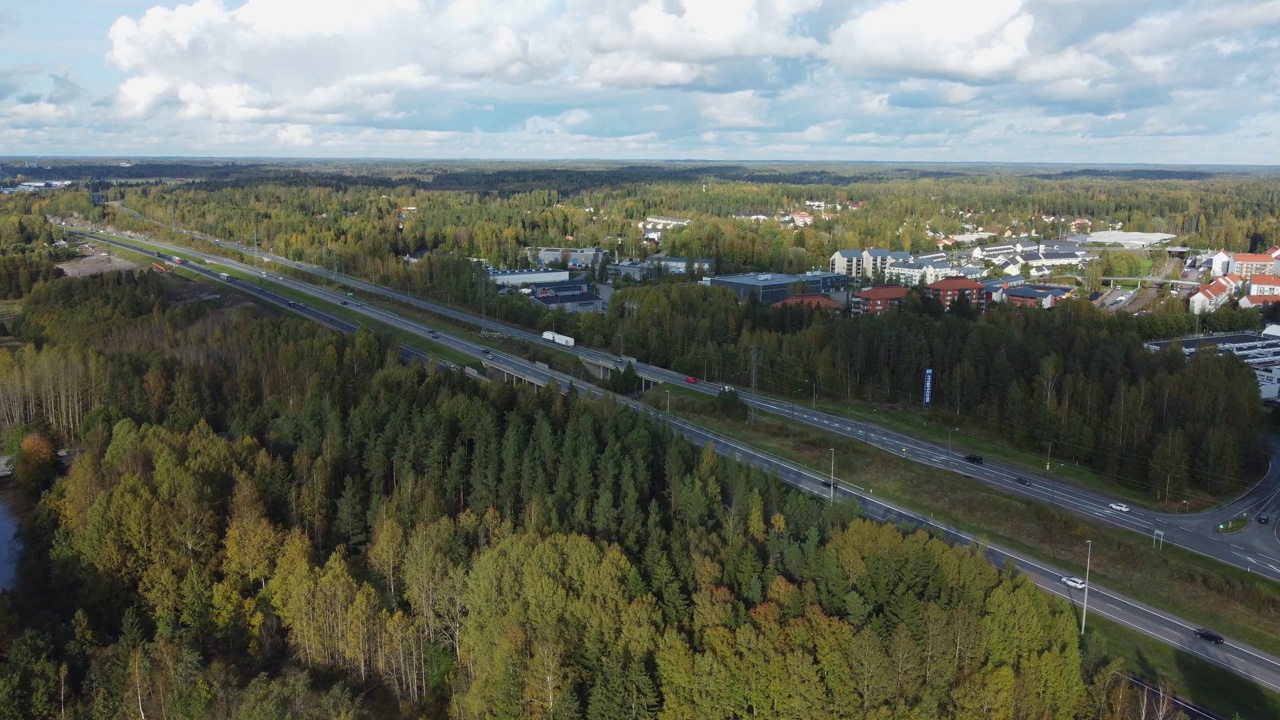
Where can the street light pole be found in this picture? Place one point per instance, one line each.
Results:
(1167, 478)
(1088, 559)
(833, 474)
(949, 447)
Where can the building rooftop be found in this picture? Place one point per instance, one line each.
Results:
(574, 299)
(885, 292)
(819, 301)
(955, 283)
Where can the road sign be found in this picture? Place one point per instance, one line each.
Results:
(928, 387)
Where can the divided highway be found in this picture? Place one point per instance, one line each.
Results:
(1256, 554)
(1247, 662)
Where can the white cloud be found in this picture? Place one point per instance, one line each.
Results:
(937, 38)
(742, 109)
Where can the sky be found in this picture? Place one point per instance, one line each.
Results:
(1073, 81)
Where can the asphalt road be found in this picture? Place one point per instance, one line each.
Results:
(1238, 658)
(1261, 557)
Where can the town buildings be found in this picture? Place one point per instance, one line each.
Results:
(948, 290)
(878, 300)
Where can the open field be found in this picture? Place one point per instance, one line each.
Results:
(95, 264)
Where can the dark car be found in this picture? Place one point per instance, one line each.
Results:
(1209, 635)
(975, 459)
(1023, 481)
(1264, 519)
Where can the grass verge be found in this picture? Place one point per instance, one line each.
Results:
(1197, 588)
(1234, 525)
(1190, 678)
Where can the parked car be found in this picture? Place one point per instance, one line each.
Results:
(1119, 507)
(1211, 636)
(1073, 582)
(975, 459)
(1023, 481)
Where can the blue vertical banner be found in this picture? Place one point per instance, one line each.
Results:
(928, 387)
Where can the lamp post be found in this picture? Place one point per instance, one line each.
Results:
(668, 407)
(833, 474)
(1088, 559)
(949, 431)
(1167, 478)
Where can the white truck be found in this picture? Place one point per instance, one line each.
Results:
(557, 338)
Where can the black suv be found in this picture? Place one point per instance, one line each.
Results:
(1023, 481)
(975, 459)
(1209, 635)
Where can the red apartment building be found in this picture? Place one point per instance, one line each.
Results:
(878, 300)
(948, 290)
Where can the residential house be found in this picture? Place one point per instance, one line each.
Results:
(1252, 301)
(801, 219)
(994, 288)
(948, 290)
(1219, 263)
(875, 261)
(1264, 285)
(878, 300)
(1213, 295)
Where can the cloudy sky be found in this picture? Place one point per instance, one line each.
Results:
(1129, 81)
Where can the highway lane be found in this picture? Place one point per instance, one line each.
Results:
(1089, 504)
(1238, 658)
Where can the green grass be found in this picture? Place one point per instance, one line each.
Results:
(1190, 585)
(1190, 678)
(1234, 525)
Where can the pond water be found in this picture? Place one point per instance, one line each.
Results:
(8, 543)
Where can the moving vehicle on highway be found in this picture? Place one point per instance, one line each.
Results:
(1072, 581)
(1119, 507)
(1022, 481)
(557, 338)
(1209, 635)
(975, 459)
(691, 379)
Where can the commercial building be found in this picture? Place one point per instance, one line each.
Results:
(578, 302)
(878, 300)
(679, 265)
(1041, 296)
(949, 290)
(770, 288)
(580, 257)
(821, 302)
(1260, 352)
(516, 278)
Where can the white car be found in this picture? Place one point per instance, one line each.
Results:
(1119, 507)
(1073, 582)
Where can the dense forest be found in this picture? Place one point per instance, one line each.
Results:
(268, 520)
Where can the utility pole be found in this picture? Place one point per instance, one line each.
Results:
(1167, 478)
(1085, 614)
